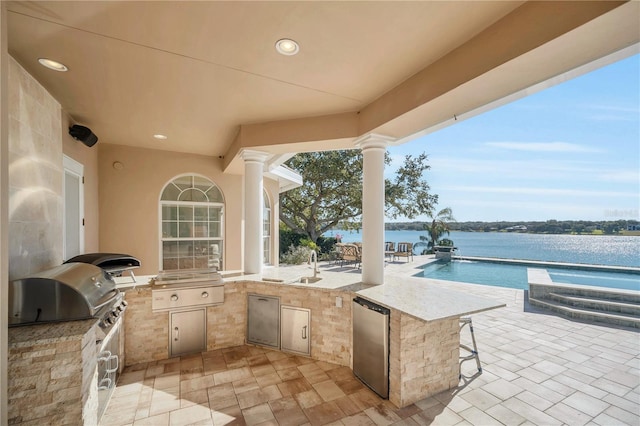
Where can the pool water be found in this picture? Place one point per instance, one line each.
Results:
(515, 276)
(595, 278)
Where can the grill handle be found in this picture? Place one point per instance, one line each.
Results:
(107, 299)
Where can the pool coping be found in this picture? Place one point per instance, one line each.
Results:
(550, 264)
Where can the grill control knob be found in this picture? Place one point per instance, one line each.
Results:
(124, 303)
(108, 321)
(174, 297)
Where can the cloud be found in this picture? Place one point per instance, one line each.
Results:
(613, 108)
(539, 191)
(611, 117)
(523, 169)
(542, 146)
(620, 176)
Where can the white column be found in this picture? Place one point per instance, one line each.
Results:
(373, 150)
(253, 205)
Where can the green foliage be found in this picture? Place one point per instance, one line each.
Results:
(295, 255)
(331, 196)
(287, 239)
(305, 242)
(327, 246)
(438, 227)
(408, 193)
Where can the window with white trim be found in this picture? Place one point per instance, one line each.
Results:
(191, 221)
(266, 230)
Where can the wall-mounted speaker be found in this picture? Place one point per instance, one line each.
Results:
(83, 134)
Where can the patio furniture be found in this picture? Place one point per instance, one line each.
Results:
(350, 253)
(389, 249)
(338, 252)
(472, 353)
(404, 250)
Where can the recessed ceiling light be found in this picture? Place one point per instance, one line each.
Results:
(287, 47)
(53, 65)
(159, 136)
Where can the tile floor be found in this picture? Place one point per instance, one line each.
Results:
(537, 369)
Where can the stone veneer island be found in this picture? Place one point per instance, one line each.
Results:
(52, 372)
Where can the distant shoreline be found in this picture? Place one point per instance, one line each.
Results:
(552, 227)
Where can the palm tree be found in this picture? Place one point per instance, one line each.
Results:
(439, 227)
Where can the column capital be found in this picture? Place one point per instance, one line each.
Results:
(374, 141)
(251, 156)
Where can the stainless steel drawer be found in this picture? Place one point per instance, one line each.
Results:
(263, 320)
(177, 298)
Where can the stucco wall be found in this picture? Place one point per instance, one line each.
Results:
(129, 199)
(35, 176)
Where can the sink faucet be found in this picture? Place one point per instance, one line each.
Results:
(313, 257)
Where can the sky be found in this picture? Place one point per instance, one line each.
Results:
(569, 152)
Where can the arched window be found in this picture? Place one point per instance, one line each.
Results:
(266, 230)
(191, 220)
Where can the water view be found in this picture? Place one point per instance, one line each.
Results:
(590, 249)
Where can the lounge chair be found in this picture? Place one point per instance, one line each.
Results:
(404, 250)
(389, 249)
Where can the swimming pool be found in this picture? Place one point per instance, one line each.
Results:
(515, 275)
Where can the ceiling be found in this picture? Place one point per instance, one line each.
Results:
(207, 75)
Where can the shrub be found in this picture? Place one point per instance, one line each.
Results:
(288, 239)
(295, 255)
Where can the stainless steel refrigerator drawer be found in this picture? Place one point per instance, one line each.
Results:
(263, 320)
(371, 345)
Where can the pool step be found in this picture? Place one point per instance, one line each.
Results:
(586, 313)
(597, 303)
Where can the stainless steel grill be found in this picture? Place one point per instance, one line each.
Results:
(71, 291)
(112, 263)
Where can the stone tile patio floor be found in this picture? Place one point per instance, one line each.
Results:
(538, 368)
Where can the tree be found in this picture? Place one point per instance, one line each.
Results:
(439, 227)
(331, 195)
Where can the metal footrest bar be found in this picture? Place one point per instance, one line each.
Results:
(473, 352)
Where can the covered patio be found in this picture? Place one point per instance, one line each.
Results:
(172, 88)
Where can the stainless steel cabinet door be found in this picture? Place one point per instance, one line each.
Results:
(295, 330)
(187, 332)
(263, 320)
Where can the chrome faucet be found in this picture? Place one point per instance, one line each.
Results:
(313, 257)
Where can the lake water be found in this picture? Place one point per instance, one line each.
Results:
(590, 249)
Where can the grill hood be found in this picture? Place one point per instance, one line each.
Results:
(70, 291)
(113, 263)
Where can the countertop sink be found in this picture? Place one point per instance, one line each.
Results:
(309, 280)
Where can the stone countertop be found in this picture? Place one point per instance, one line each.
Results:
(54, 332)
(421, 299)
(416, 296)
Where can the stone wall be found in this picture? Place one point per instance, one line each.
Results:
(424, 358)
(53, 376)
(330, 326)
(227, 323)
(35, 176)
(146, 333)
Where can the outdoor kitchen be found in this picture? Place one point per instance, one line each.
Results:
(132, 251)
(66, 369)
